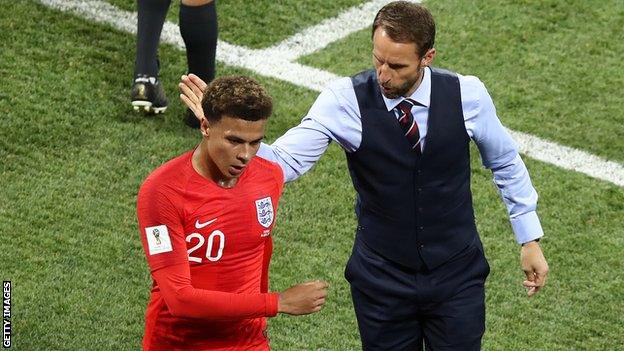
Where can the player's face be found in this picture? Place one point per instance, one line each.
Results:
(398, 65)
(229, 145)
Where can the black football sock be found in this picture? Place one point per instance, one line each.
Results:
(151, 18)
(198, 26)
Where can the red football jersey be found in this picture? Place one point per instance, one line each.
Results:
(208, 249)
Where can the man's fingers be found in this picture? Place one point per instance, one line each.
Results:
(197, 92)
(540, 277)
(535, 284)
(188, 102)
(529, 284)
(198, 81)
(186, 90)
(539, 281)
(534, 290)
(320, 284)
(199, 113)
(191, 89)
(535, 279)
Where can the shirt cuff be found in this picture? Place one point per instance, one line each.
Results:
(271, 304)
(526, 227)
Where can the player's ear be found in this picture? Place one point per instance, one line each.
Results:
(204, 127)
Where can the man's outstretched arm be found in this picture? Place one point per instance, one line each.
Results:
(303, 145)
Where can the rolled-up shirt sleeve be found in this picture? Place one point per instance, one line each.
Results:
(499, 153)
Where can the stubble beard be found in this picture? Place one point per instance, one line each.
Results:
(405, 87)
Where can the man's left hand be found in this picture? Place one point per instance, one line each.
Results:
(534, 266)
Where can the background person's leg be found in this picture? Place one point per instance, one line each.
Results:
(147, 92)
(151, 17)
(199, 29)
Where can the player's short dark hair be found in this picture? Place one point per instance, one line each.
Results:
(236, 96)
(407, 22)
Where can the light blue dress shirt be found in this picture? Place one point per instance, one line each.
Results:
(335, 116)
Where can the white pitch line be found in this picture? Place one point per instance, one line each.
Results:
(275, 63)
(266, 64)
(569, 158)
(98, 11)
(329, 30)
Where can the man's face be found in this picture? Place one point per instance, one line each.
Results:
(398, 65)
(229, 145)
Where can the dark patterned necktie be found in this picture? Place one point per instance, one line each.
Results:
(408, 124)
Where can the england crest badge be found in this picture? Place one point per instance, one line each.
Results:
(264, 210)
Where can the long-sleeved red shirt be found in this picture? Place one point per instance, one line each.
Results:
(208, 249)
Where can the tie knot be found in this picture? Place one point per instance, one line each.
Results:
(406, 105)
(408, 101)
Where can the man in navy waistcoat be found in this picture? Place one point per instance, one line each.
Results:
(417, 270)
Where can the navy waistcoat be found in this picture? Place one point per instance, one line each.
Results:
(413, 209)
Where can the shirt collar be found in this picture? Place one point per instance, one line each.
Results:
(422, 94)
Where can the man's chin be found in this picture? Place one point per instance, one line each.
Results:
(390, 95)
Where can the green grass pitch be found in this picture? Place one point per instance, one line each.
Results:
(73, 154)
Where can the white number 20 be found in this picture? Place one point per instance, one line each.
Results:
(201, 240)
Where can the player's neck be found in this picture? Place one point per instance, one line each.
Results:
(207, 169)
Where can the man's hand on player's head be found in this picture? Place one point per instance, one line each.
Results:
(192, 90)
(303, 298)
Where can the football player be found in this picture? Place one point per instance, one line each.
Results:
(205, 220)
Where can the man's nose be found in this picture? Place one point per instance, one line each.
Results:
(382, 74)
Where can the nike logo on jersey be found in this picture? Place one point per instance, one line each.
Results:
(199, 225)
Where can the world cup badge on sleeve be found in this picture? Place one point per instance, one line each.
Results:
(264, 210)
(158, 240)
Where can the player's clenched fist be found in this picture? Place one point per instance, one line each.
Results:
(303, 298)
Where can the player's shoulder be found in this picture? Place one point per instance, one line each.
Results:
(170, 174)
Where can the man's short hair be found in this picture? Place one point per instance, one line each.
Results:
(407, 22)
(238, 97)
